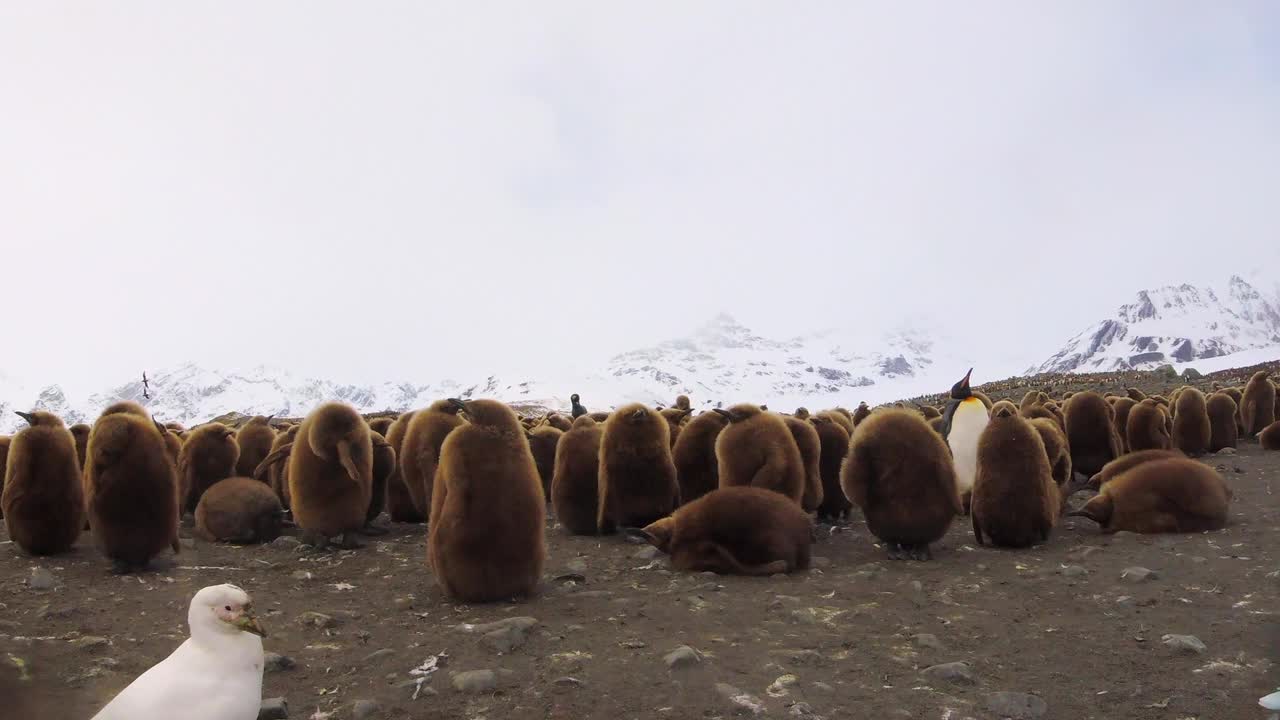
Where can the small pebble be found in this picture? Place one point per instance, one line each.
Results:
(273, 709)
(41, 579)
(956, 672)
(683, 656)
(363, 709)
(274, 662)
(1073, 571)
(1138, 574)
(1186, 644)
(1016, 706)
(317, 620)
(475, 681)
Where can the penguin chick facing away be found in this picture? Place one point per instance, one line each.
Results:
(758, 450)
(43, 498)
(1269, 438)
(1091, 432)
(1258, 404)
(1223, 426)
(131, 490)
(901, 475)
(575, 479)
(1147, 428)
(384, 466)
(637, 475)
(542, 443)
(862, 412)
(810, 446)
(399, 502)
(209, 455)
(331, 473)
(1125, 463)
(682, 403)
(1122, 407)
(274, 469)
(1192, 431)
(1161, 496)
(1059, 456)
(381, 425)
(420, 451)
(962, 424)
(675, 418)
(254, 439)
(80, 432)
(487, 512)
(4, 460)
(694, 454)
(735, 531)
(1015, 500)
(239, 510)
(577, 410)
(834, 441)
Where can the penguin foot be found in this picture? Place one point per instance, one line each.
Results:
(120, 567)
(919, 553)
(313, 539)
(372, 530)
(897, 552)
(346, 541)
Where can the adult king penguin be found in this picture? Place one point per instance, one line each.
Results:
(962, 423)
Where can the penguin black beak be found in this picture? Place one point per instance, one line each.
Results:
(965, 381)
(724, 413)
(457, 404)
(31, 419)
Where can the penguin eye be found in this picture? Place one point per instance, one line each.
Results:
(228, 608)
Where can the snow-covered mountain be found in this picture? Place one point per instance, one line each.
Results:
(1175, 324)
(721, 362)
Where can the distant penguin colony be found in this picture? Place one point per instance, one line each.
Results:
(575, 479)
(637, 475)
(490, 549)
(1015, 498)
(735, 489)
(694, 455)
(901, 475)
(254, 439)
(131, 490)
(758, 450)
(209, 455)
(962, 424)
(43, 498)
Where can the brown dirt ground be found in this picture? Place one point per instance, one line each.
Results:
(1089, 645)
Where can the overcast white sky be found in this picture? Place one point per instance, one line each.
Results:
(387, 190)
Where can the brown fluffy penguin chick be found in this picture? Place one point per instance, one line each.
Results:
(542, 443)
(861, 413)
(758, 450)
(1223, 421)
(675, 418)
(1136, 395)
(1191, 429)
(255, 439)
(839, 418)
(128, 407)
(682, 403)
(1057, 453)
(1015, 500)
(1269, 438)
(384, 466)
(736, 531)
(420, 451)
(172, 444)
(80, 432)
(239, 510)
(208, 455)
(1125, 463)
(4, 459)
(381, 425)
(558, 421)
(1091, 432)
(810, 447)
(1258, 404)
(399, 502)
(1161, 496)
(900, 472)
(274, 469)
(487, 511)
(43, 498)
(1146, 428)
(575, 482)
(833, 440)
(929, 412)
(694, 454)
(637, 475)
(1123, 406)
(131, 490)
(1031, 399)
(331, 473)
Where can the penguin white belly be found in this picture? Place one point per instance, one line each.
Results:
(967, 424)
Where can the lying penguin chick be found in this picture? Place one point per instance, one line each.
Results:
(239, 510)
(735, 531)
(1161, 496)
(1125, 463)
(216, 674)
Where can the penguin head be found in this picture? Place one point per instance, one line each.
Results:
(961, 390)
(740, 412)
(574, 397)
(451, 406)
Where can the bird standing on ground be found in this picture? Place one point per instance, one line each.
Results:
(578, 409)
(216, 674)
